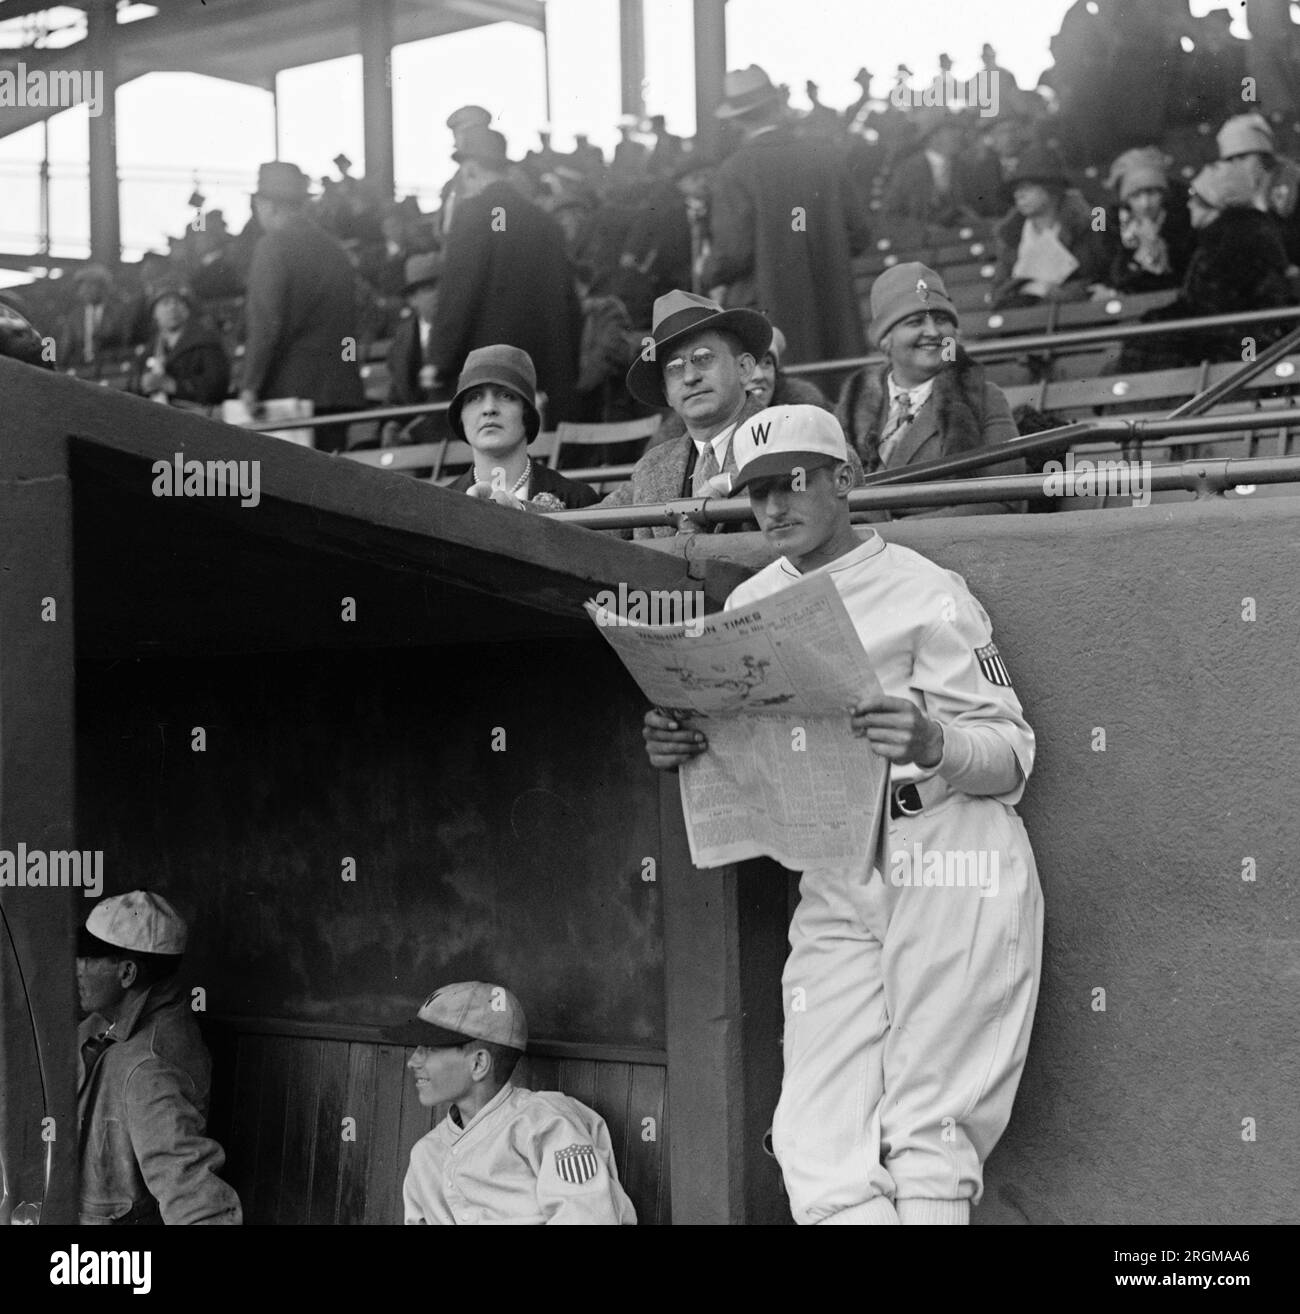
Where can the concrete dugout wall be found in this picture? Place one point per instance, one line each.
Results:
(1176, 1103)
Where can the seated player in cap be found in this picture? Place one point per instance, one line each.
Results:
(143, 1074)
(495, 411)
(909, 1000)
(502, 1154)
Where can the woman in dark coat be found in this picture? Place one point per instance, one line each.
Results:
(188, 365)
(1048, 249)
(1239, 264)
(929, 399)
(1151, 240)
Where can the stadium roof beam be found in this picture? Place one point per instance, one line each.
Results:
(631, 56)
(250, 41)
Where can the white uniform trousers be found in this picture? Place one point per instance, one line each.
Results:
(908, 1008)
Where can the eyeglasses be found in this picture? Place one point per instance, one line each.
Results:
(701, 359)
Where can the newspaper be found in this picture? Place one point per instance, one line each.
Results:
(769, 685)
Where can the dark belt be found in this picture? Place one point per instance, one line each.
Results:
(904, 801)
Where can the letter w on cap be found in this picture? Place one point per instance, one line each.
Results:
(760, 433)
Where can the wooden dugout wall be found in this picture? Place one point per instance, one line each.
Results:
(329, 740)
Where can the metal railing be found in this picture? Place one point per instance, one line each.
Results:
(902, 488)
(379, 414)
(1031, 343)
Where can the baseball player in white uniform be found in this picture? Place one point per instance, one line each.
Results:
(502, 1154)
(909, 993)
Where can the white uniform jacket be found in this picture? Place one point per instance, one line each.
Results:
(528, 1157)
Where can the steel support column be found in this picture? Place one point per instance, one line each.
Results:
(376, 24)
(105, 220)
(710, 67)
(631, 56)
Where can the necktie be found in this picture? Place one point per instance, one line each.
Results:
(705, 468)
(894, 429)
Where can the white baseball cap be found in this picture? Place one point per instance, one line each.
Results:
(468, 1010)
(783, 439)
(140, 920)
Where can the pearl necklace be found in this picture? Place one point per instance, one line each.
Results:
(519, 483)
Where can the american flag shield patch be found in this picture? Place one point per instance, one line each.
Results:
(995, 672)
(576, 1164)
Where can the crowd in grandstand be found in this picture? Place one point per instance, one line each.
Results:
(1169, 180)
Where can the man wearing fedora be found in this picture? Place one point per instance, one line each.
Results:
(699, 362)
(301, 311)
(143, 1074)
(786, 224)
(506, 278)
(495, 411)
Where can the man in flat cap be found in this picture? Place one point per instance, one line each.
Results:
(143, 1074)
(467, 119)
(502, 1154)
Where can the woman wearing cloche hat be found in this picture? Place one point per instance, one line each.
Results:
(928, 399)
(495, 412)
(1240, 263)
(1048, 249)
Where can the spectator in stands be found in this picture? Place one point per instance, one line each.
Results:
(495, 411)
(216, 274)
(929, 399)
(411, 374)
(821, 120)
(631, 157)
(1239, 264)
(771, 386)
(609, 342)
(1151, 240)
(658, 243)
(301, 313)
(767, 386)
(188, 365)
(99, 322)
(1048, 249)
(1246, 141)
(588, 158)
(929, 184)
(786, 223)
(667, 152)
(506, 278)
(469, 118)
(702, 359)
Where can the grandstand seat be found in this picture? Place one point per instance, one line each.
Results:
(419, 456)
(633, 435)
